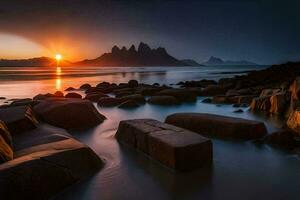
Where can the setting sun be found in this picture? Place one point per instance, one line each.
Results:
(58, 57)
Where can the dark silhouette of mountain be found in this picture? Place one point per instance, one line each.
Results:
(143, 56)
(218, 61)
(191, 62)
(32, 62)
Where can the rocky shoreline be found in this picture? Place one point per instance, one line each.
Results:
(32, 130)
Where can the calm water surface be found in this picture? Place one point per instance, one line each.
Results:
(241, 170)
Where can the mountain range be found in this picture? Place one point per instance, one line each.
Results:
(142, 56)
(218, 61)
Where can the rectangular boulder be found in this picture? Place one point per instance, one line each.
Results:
(172, 146)
(218, 126)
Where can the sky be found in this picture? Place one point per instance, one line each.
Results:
(262, 31)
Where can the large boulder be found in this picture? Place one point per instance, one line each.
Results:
(183, 95)
(163, 100)
(172, 146)
(218, 126)
(18, 118)
(44, 156)
(279, 103)
(69, 113)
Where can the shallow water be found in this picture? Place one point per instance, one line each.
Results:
(240, 170)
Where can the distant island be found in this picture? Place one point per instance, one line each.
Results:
(143, 56)
(218, 61)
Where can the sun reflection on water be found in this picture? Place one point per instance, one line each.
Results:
(58, 78)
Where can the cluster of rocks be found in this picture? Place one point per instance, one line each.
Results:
(35, 153)
(134, 94)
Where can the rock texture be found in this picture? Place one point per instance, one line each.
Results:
(18, 118)
(218, 126)
(174, 147)
(69, 113)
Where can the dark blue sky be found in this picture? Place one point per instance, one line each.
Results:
(262, 31)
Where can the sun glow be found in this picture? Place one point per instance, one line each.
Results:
(58, 57)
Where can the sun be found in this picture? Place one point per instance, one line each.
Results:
(58, 57)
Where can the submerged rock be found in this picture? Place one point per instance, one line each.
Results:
(174, 147)
(69, 113)
(218, 126)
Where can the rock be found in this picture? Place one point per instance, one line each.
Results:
(6, 152)
(110, 101)
(18, 119)
(135, 97)
(123, 92)
(207, 100)
(213, 90)
(293, 121)
(70, 89)
(172, 146)
(95, 96)
(269, 92)
(133, 83)
(182, 95)
(149, 91)
(42, 96)
(238, 111)
(163, 100)
(103, 85)
(283, 138)
(43, 155)
(73, 95)
(69, 113)
(295, 89)
(202, 83)
(85, 86)
(58, 94)
(219, 126)
(156, 84)
(261, 104)
(5, 134)
(2, 98)
(129, 104)
(24, 102)
(279, 103)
